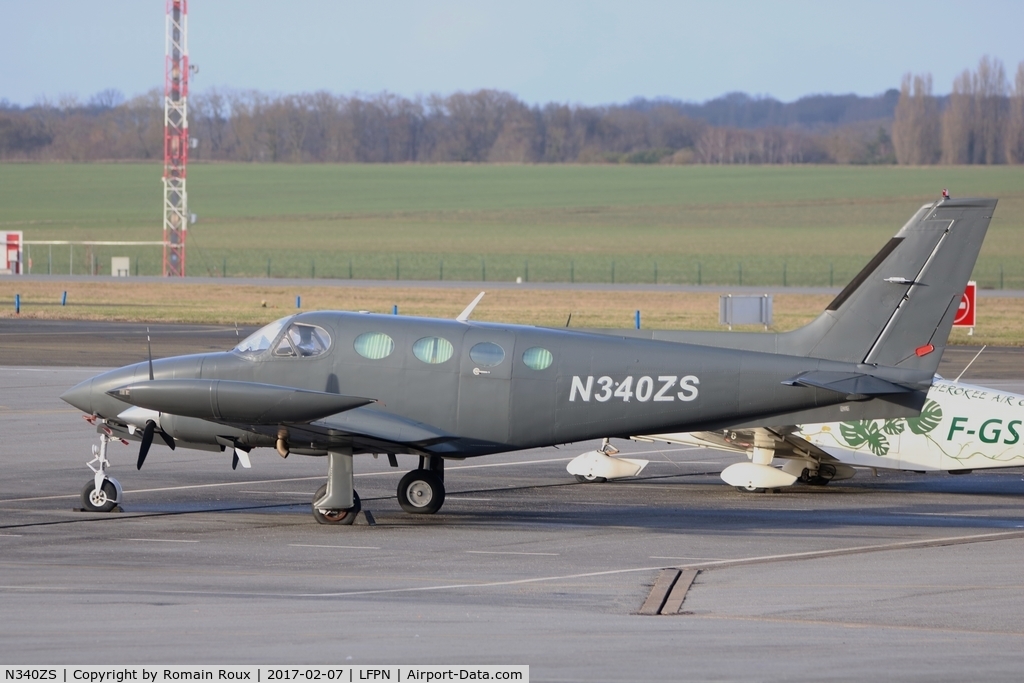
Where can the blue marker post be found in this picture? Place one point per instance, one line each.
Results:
(638, 320)
(298, 302)
(394, 310)
(17, 303)
(64, 299)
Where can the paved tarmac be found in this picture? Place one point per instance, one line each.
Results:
(896, 577)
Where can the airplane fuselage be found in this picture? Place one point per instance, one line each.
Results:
(961, 427)
(465, 389)
(336, 384)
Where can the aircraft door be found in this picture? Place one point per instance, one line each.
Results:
(485, 374)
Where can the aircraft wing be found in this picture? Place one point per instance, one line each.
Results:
(371, 430)
(786, 442)
(315, 419)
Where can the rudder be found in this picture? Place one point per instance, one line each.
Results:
(899, 309)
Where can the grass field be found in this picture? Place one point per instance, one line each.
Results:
(796, 225)
(1000, 320)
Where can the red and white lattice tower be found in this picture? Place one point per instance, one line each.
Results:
(175, 138)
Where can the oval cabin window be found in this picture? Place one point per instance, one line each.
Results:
(487, 354)
(537, 358)
(374, 345)
(433, 350)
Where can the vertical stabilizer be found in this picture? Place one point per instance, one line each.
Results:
(899, 309)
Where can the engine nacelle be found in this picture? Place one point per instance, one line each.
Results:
(191, 432)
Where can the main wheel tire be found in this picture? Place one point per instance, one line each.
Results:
(589, 479)
(103, 499)
(345, 517)
(824, 475)
(421, 492)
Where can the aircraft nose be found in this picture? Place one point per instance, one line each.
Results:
(80, 396)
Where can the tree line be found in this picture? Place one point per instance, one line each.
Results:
(739, 110)
(481, 126)
(981, 122)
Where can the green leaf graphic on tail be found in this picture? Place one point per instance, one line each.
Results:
(865, 432)
(868, 432)
(893, 427)
(931, 416)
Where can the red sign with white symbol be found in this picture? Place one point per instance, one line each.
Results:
(967, 314)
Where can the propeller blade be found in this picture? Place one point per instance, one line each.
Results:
(147, 441)
(167, 440)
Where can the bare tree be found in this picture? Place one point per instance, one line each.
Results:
(712, 146)
(973, 123)
(1014, 136)
(989, 111)
(915, 130)
(518, 140)
(958, 122)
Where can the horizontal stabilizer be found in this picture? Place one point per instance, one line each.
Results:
(847, 383)
(235, 402)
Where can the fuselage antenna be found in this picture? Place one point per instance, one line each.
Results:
(149, 351)
(464, 316)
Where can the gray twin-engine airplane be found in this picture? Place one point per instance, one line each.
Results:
(335, 384)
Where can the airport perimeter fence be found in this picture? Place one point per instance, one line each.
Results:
(716, 270)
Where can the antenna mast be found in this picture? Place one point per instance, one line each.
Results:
(175, 138)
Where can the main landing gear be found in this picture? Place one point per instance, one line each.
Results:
(102, 493)
(422, 490)
(336, 502)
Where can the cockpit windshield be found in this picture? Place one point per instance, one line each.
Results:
(300, 340)
(261, 339)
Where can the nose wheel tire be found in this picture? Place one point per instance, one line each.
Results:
(421, 492)
(102, 499)
(345, 517)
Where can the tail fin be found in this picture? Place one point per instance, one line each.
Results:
(899, 309)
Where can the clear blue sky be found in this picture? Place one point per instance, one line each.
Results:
(597, 52)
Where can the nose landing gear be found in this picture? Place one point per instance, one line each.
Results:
(103, 493)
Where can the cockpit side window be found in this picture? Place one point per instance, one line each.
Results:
(261, 340)
(284, 347)
(304, 341)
